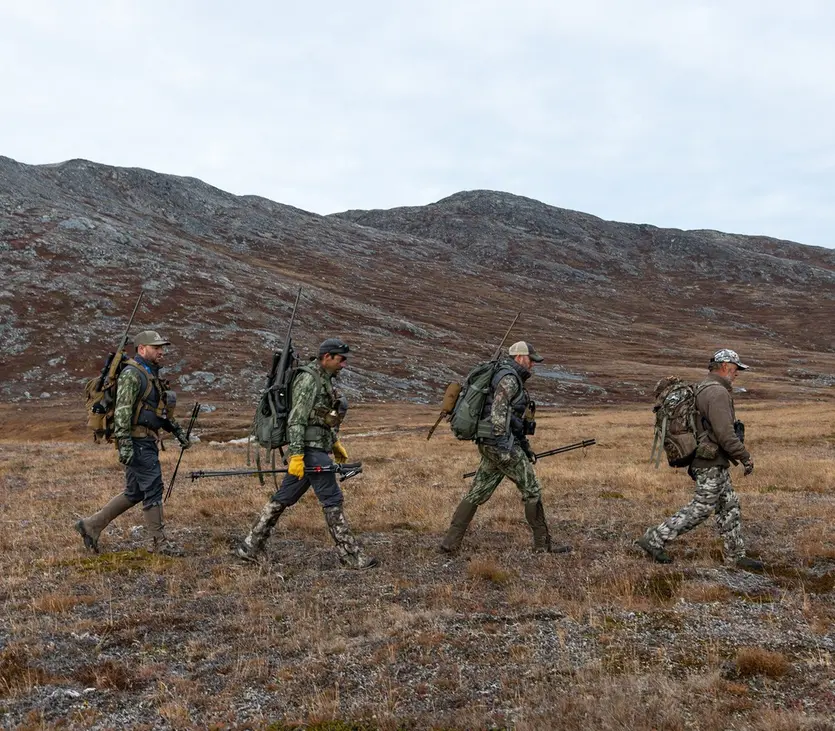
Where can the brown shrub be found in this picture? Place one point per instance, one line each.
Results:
(757, 661)
(489, 570)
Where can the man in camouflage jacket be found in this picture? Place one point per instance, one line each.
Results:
(312, 432)
(143, 409)
(719, 443)
(505, 451)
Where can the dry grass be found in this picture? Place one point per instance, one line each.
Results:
(494, 637)
(757, 661)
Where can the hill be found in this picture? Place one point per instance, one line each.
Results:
(420, 292)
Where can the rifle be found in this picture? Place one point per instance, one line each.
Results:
(344, 471)
(195, 410)
(454, 389)
(274, 399)
(551, 452)
(111, 366)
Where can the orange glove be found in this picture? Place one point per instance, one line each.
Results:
(296, 466)
(340, 456)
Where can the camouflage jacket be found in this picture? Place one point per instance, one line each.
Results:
(128, 397)
(508, 402)
(312, 422)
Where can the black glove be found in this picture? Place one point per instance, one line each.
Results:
(748, 464)
(528, 450)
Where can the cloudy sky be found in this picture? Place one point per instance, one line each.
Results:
(682, 113)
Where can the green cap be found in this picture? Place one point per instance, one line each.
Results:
(150, 337)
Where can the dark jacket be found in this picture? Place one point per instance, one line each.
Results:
(715, 424)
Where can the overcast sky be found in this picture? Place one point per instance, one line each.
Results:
(677, 113)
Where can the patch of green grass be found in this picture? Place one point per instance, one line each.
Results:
(121, 562)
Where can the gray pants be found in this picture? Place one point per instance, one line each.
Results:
(324, 484)
(714, 493)
(143, 476)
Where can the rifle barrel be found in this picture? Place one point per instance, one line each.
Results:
(501, 344)
(551, 452)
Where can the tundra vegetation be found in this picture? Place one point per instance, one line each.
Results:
(494, 637)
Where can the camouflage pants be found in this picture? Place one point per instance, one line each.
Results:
(518, 469)
(714, 493)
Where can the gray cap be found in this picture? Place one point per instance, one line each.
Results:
(523, 348)
(333, 346)
(150, 337)
(728, 356)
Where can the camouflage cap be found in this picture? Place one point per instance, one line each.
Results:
(523, 348)
(333, 346)
(150, 337)
(728, 356)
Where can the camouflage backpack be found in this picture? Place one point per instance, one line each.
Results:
(100, 397)
(675, 422)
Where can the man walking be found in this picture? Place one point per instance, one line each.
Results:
(312, 432)
(505, 451)
(719, 442)
(143, 407)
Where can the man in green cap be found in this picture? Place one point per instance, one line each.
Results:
(144, 407)
(505, 451)
(312, 429)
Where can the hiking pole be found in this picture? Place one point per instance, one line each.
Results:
(195, 410)
(551, 452)
(344, 471)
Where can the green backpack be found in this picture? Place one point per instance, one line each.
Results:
(466, 414)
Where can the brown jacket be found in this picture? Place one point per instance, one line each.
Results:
(715, 423)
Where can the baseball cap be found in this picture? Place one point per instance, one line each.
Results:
(333, 346)
(150, 337)
(728, 356)
(523, 348)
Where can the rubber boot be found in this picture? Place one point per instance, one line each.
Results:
(350, 550)
(159, 542)
(253, 545)
(91, 528)
(535, 515)
(461, 519)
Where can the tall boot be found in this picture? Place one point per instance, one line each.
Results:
(253, 544)
(535, 515)
(91, 528)
(159, 542)
(458, 527)
(351, 553)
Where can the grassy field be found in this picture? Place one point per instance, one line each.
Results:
(495, 636)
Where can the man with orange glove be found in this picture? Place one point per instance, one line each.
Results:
(312, 432)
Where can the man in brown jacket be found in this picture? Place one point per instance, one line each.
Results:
(719, 443)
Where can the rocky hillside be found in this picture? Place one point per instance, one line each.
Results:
(421, 292)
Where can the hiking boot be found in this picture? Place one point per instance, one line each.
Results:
(253, 545)
(461, 519)
(659, 555)
(749, 564)
(350, 550)
(91, 528)
(565, 548)
(245, 553)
